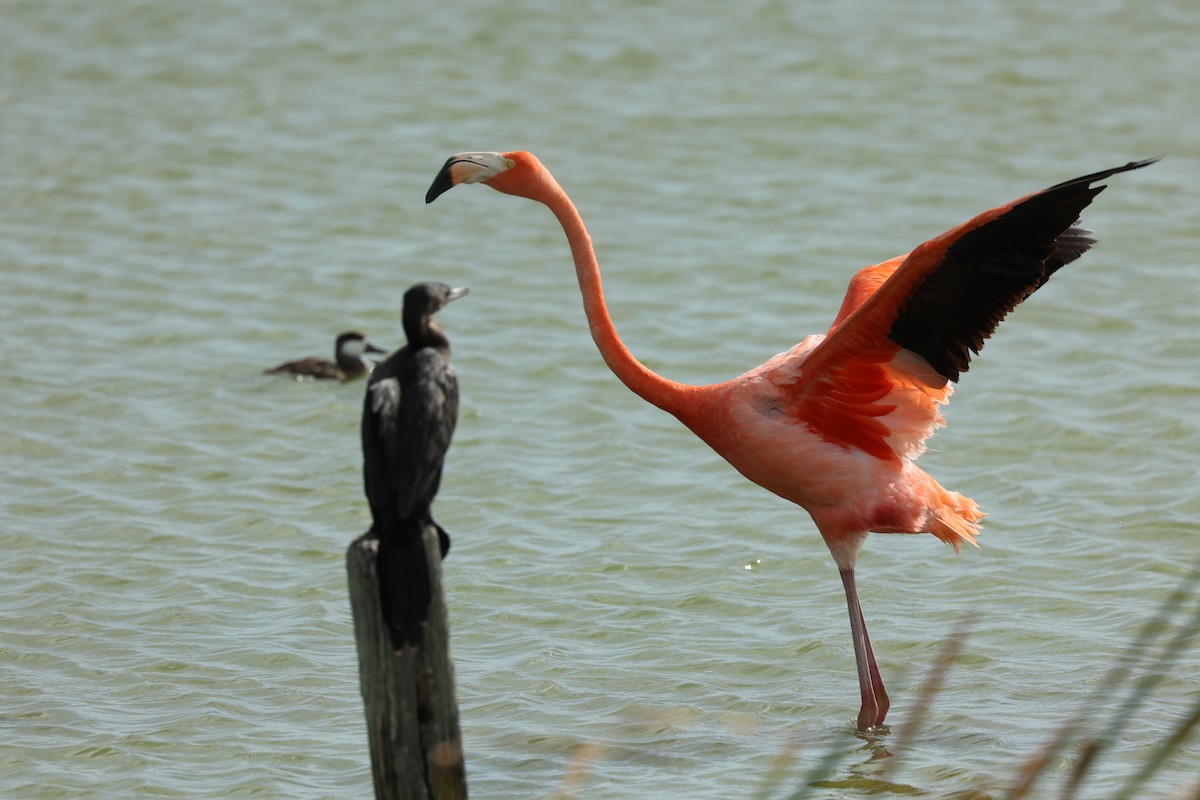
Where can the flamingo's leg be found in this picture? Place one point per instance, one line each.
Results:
(881, 697)
(875, 701)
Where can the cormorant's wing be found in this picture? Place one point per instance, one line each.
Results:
(409, 415)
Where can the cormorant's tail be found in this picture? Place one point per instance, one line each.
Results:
(404, 590)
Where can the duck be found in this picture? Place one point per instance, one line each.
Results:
(349, 362)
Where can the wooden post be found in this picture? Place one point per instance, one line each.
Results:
(409, 696)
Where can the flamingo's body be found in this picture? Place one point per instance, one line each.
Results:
(836, 423)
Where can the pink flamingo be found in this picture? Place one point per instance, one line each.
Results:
(836, 423)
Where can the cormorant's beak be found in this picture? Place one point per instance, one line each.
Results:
(467, 168)
(457, 292)
(369, 347)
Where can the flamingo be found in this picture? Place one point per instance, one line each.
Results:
(836, 423)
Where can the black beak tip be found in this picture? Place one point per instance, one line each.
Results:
(441, 184)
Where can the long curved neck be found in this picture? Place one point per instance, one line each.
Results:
(666, 394)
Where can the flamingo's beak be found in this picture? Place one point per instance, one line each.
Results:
(467, 168)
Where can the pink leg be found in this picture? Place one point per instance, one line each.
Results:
(882, 702)
(875, 701)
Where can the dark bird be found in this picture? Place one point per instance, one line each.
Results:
(347, 365)
(836, 423)
(409, 415)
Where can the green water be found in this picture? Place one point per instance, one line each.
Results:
(192, 192)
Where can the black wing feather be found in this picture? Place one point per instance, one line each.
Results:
(405, 442)
(990, 269)
(409, 415)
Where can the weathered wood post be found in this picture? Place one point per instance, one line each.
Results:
(409, 696)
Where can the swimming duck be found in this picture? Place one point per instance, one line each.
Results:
(349, 364)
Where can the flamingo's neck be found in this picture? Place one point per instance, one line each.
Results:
(676, 398)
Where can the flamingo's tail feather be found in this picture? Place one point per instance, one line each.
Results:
(957, 521)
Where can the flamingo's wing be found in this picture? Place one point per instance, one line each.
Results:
(863, 387)
(864, 284)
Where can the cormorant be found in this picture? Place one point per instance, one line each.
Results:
(409, 414)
